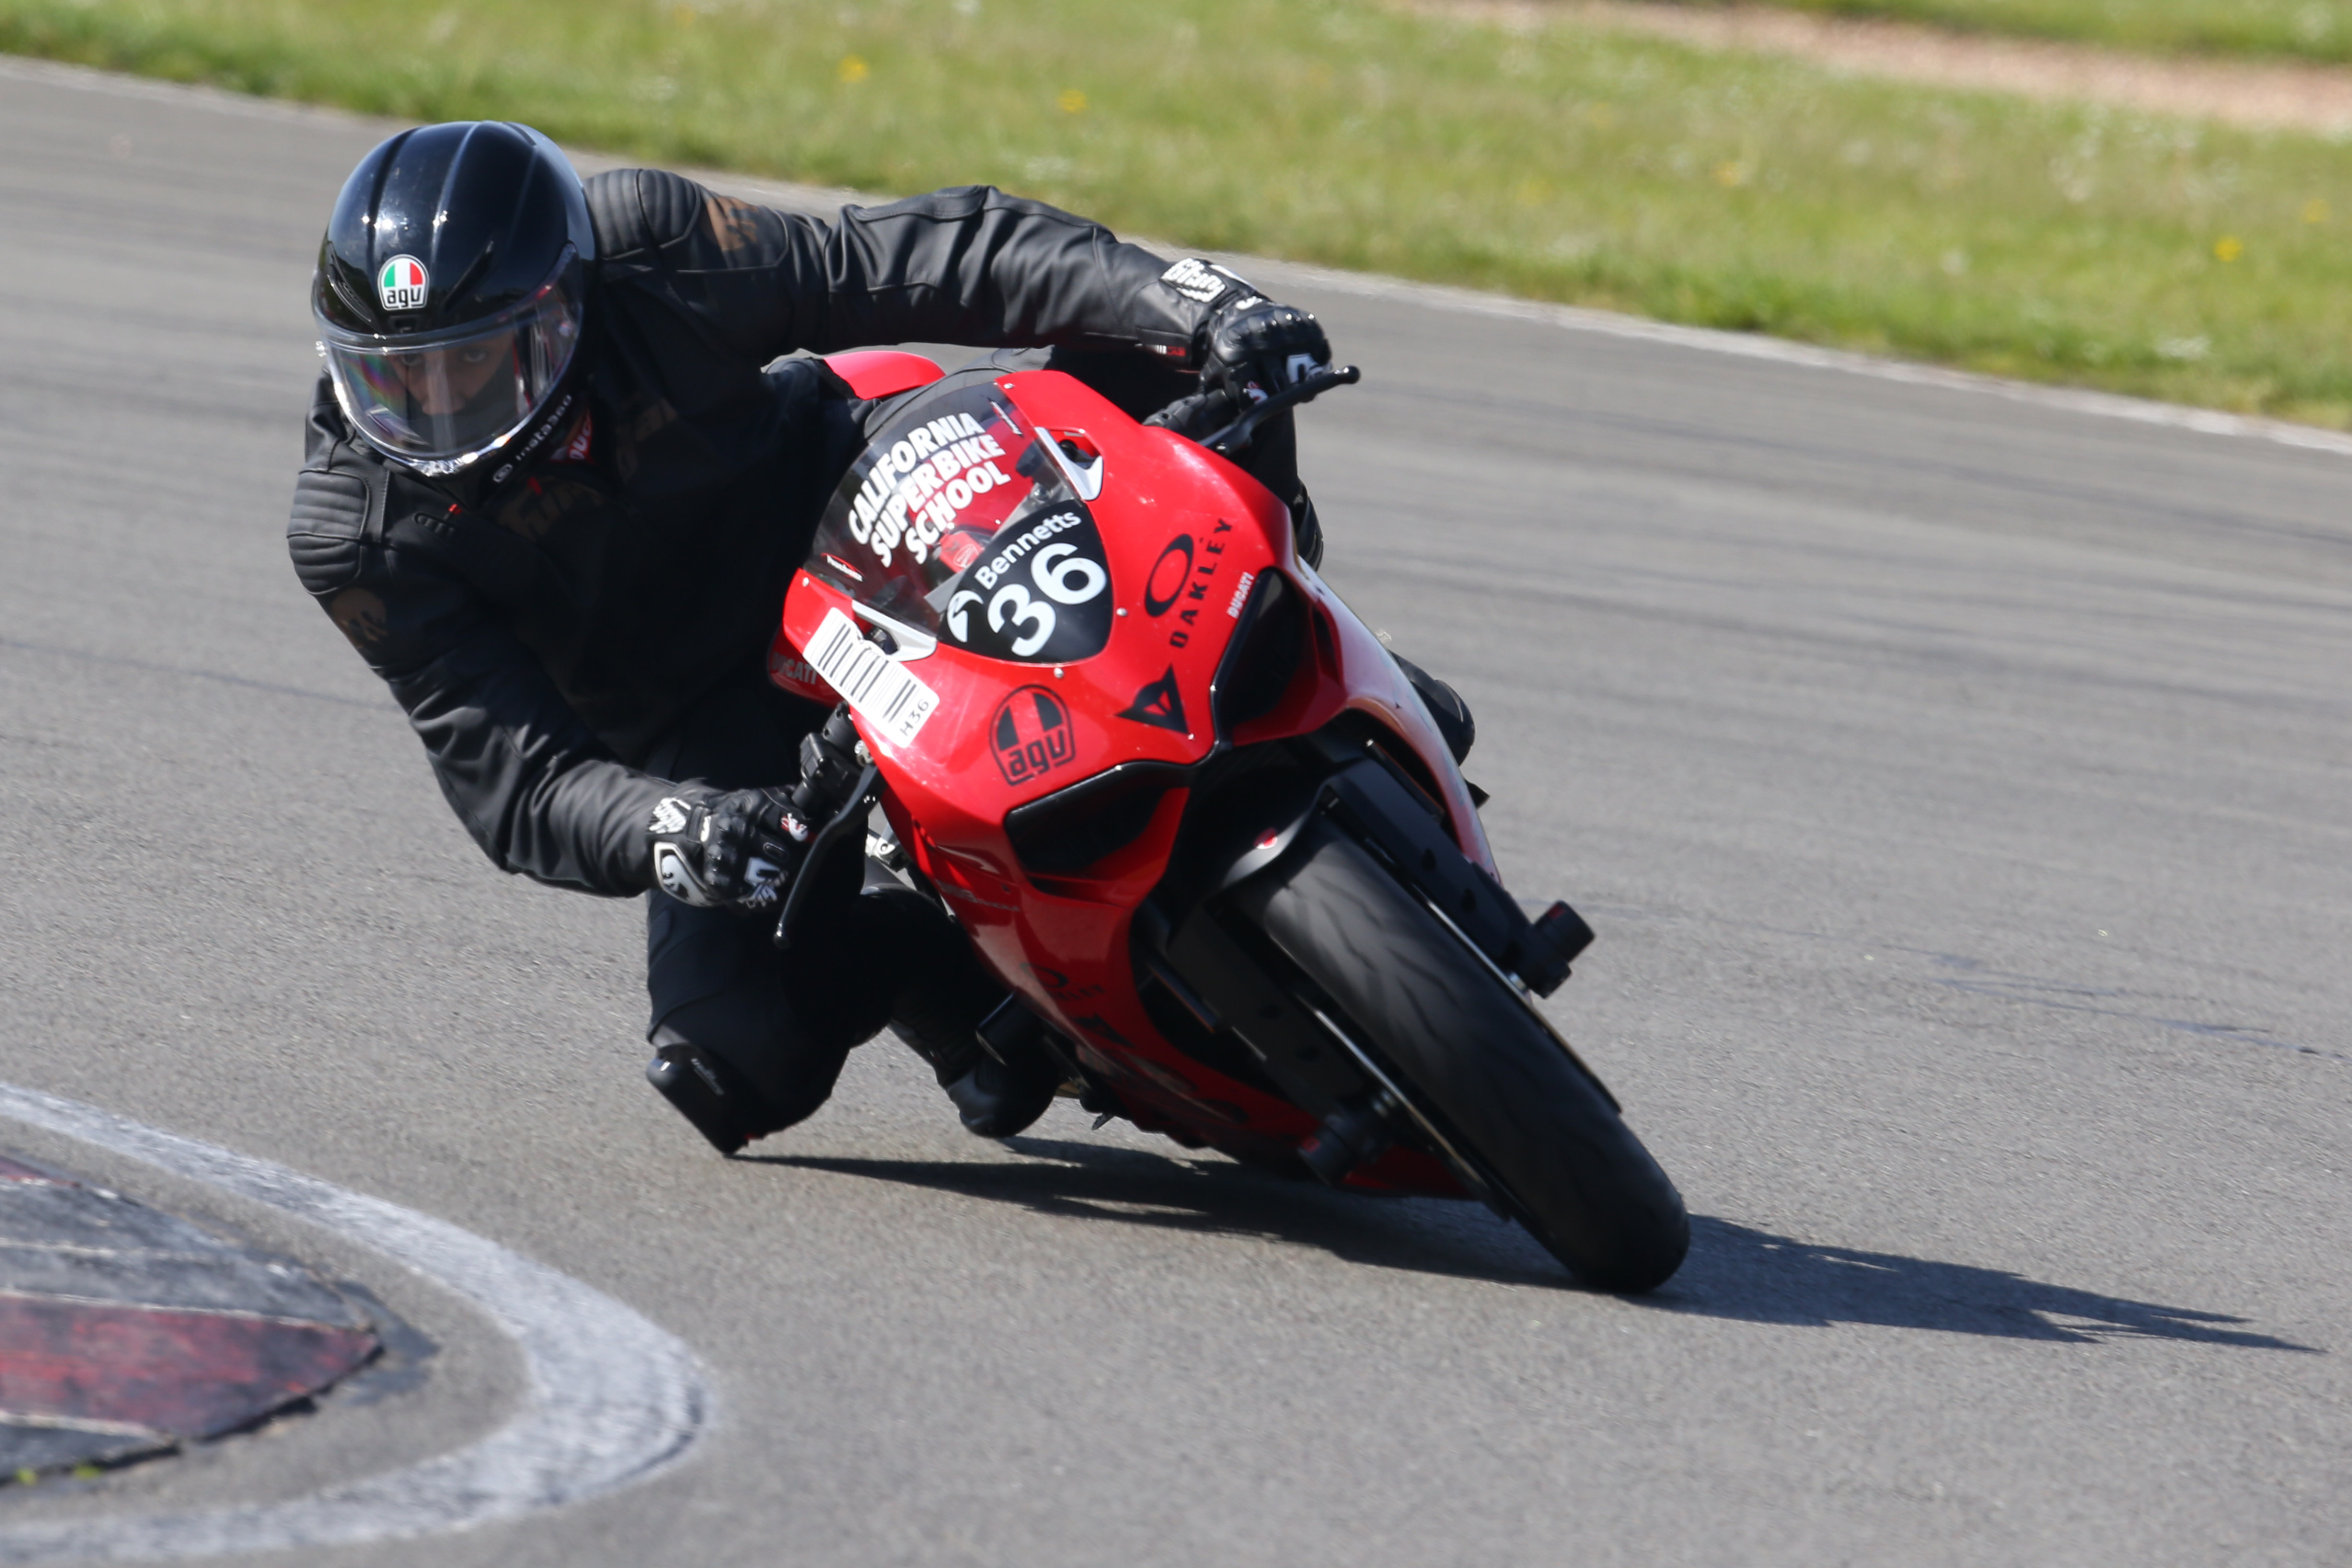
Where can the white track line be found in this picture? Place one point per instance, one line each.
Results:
(1781, 351)
(823, 200)
(612, 1399)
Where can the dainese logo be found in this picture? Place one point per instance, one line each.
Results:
(1031, 735)
(403, 284)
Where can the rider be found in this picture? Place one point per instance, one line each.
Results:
(557, 477)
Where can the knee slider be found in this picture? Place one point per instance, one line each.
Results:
(722, 1105)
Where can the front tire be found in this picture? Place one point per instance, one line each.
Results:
(1467, 1049)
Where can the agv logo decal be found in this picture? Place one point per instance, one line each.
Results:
(1031, 735)
(402, 283)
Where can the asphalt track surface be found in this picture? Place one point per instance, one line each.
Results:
(1960, 785)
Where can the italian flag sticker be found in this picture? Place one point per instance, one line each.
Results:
(401, 284)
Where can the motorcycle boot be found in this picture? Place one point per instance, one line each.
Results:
(940, 1011)
(994, 1100)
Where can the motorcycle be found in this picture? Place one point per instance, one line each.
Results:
(1191, 814)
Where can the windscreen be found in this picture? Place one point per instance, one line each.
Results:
(957, 522)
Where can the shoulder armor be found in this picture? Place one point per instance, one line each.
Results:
(323, 535)
(636, 210)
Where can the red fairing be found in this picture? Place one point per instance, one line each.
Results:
(881, 373)
(1040, 676)
(788, 669)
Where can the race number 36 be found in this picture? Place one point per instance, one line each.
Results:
(1058, 571)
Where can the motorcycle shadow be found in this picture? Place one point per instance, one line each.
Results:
(1735, 1272)
(1747, 1275)
(1210, 1197)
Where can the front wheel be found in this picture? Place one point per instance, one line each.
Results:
(1468, 1050)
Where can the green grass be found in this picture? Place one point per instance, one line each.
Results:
(2307, 29)
(2083, 246)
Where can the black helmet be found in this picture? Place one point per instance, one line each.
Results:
(449, 293)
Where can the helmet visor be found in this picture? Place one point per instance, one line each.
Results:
(448, 398)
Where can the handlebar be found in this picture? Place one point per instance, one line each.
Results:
(1236, 436)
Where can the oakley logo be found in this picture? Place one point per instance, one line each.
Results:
(1168, 577)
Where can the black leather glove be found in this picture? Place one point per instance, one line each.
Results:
(1253, 348)
(734, 850)
(1249, 347)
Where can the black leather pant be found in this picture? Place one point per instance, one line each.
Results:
(775, 1027)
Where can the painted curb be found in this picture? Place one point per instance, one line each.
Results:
(612, 1400)
(126, 1331)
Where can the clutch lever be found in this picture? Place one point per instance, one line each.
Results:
(851, 815)
(1236, 436)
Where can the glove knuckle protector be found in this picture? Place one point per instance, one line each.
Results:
(1256, 348)
(733, 850)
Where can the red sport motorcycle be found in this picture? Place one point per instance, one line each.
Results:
(1190, 812)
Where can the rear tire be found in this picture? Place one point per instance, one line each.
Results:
(1466, 1048)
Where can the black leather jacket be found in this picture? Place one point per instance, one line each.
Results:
(541, 644)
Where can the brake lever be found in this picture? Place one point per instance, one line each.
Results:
(851, 815)
(1236, 436)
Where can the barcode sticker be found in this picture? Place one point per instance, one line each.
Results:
(878, 688)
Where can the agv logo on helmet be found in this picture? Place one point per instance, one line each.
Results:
(402, 283)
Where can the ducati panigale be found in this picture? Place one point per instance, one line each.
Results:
(1191, 814)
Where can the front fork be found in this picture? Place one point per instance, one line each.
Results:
(1230, 980)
